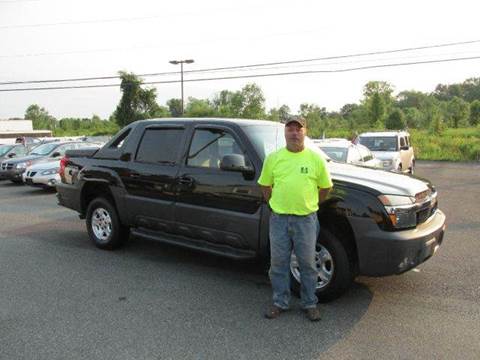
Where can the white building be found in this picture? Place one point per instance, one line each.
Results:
(13, 129)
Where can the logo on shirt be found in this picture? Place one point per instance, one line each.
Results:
(304, 170)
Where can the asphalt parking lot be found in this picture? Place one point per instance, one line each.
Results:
(62, 298)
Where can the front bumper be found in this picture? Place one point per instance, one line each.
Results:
(46, 181)
(383, 253)
(12, 174)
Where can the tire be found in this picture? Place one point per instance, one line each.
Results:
(103, 225)
(337, 271)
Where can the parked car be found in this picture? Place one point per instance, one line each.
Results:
(45, 173)
(393, 148)
(13, 169)
(343, 150)
(9, 151)
(193, 183)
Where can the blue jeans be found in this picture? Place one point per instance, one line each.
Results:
(297, 233)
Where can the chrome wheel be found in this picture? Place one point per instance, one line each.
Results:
(101, 224)
(325, 266)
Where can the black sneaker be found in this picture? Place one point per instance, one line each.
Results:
(313, 314)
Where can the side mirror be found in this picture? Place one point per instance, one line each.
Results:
(11, 155)
(56, 154)
(235, 162)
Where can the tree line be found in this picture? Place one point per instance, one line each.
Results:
(448, 106)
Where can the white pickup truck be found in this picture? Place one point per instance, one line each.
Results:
(392, 147)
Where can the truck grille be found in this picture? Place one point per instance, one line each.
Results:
(6, 166)
(427, 210)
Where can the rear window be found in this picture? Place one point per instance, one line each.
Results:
(336, 153)
(159, 146)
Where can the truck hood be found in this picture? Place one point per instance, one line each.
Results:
(385, 155)
(382, 181)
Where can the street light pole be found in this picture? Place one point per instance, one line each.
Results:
(181, 62)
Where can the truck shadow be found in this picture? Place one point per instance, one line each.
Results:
(234, 294)
(207, 307)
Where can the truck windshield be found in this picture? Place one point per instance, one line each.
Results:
(379, 143)
(4, 149)
(269, 138)
(266, 138)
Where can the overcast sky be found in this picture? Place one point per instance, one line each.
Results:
(55, 39)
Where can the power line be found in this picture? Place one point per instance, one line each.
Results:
(82, 22)
(249, 66)
(255, 75)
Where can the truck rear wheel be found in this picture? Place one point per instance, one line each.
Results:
(103, 225)
(335, 273)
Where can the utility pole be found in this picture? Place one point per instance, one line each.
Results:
(181, 62)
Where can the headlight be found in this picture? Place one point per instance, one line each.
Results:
(400, 209)
(23, 165)
(49, 172)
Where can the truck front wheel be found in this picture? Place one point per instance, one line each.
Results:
(103, 225)
(335, 273)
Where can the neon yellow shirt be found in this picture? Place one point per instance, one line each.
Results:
(295, 179)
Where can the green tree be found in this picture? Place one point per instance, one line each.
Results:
(411, 99)
(175, 107)
(471, 89)
(284, 113)
(253, 102)
(396, 120)
(248, 103)
(378, 101)
(413, 117)
(136, 103)
(199, 108)
(377, 110)
(448, 92)
(228, 104)
(458, 112)
(40, 117)
(475, 113)
(316, 118)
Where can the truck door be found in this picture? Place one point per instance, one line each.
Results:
(150, 179)
(215, 205)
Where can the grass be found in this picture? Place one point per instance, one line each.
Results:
(452, 144)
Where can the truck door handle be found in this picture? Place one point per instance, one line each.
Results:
(185, 180)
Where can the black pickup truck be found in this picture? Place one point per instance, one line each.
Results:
(193, 182)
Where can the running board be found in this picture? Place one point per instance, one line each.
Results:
(221, 250)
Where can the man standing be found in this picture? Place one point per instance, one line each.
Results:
(294, 180)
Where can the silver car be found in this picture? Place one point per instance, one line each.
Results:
(45, 173)
(343, 150)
